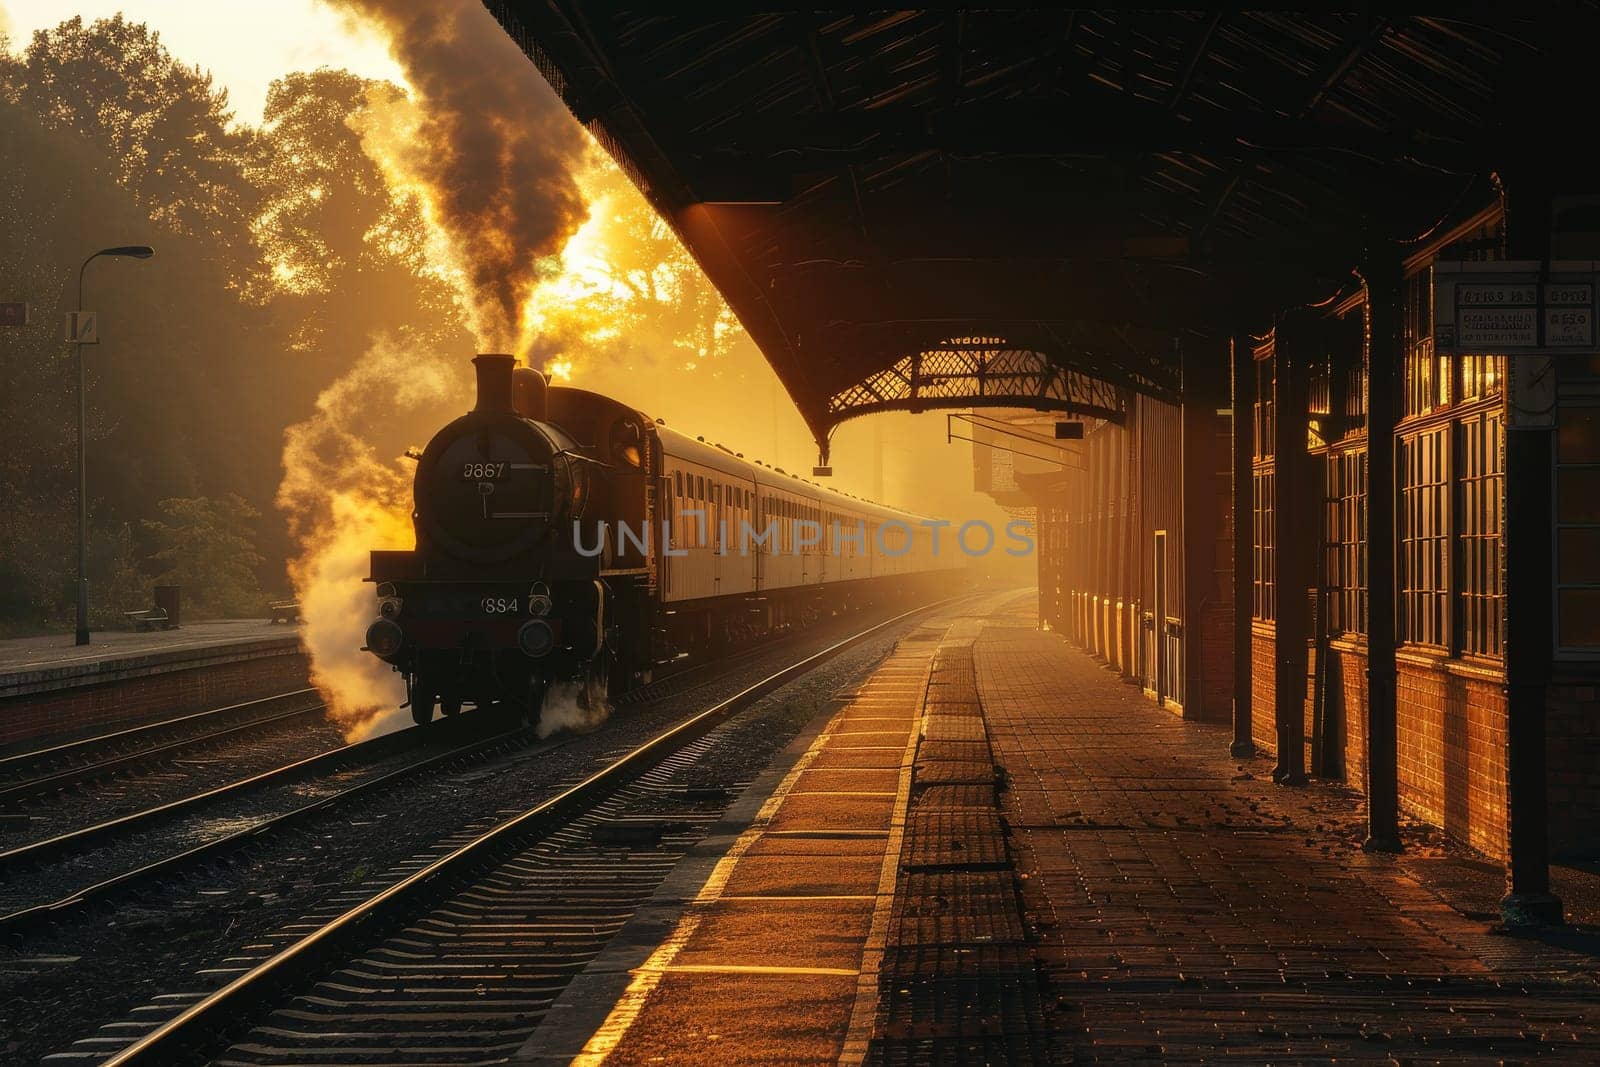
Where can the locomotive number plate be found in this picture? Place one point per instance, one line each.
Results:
(503, 605)
(483, 472)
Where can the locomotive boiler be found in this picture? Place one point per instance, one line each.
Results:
(564, 538)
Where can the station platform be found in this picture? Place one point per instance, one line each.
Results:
(995, 852)
(50, 687)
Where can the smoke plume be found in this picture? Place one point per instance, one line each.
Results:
(492, 151)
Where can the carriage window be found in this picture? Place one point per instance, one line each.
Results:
(677, 477)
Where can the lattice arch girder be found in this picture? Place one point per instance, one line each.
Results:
(979, 373)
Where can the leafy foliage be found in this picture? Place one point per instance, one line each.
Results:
(207, 547)
(280, 253)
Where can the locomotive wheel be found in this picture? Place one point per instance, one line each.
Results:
(425, 696)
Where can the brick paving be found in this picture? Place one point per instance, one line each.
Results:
(1186, 909)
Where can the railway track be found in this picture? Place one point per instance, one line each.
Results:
(56, 768)
(462, 740)
(167, 826)
(458, 960)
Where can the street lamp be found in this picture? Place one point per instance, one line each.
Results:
(134, 252)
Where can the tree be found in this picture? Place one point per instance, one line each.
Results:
(343, 253)
(207, 546)
(166, 127)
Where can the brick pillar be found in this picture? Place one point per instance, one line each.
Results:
(1204, 513)
(1293, 624)
(1383, 273)
(1244, 383)
(1529, 580)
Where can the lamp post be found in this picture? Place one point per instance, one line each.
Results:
(135, 252)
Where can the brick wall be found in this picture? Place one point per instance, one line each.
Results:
(1572, 732)
(1263, 682)
(152, 696)
(1451, 744)
(1215, 647)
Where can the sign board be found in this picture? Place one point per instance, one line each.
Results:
(1514, 307)
(13, 314)
(1069, 431)
(83, 327)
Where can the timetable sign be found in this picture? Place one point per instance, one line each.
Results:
(1569, 314)
(1514, 307)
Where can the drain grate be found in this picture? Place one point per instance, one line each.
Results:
(932, 750)
(964, 794)
(979, 772)
(954, 838)
(959, 906)
(955, 728)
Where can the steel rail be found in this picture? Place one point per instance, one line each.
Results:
(74, 776)
(35, 851)
(169, 865)
(201, 1026)
(66, 748)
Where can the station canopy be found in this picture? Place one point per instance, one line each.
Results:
(1036, 207)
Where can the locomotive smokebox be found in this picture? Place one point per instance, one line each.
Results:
(528, 394)
(494, 383)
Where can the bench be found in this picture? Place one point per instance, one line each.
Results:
(285, 611)
(149, 619)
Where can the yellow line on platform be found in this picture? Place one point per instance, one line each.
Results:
(626, 1011)
(779, 898)
(733, 968)
(864, 1011)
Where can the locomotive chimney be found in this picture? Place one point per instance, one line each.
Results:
(528, 394)
(494, 383)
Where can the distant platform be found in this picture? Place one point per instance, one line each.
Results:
(50, 687)
(30, 663)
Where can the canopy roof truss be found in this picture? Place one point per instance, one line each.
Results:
(1090, 189)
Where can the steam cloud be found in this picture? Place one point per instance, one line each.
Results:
(343, 500)
(493, 150)
(562, 711)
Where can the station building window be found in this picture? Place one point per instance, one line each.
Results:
(1427, 375)
(1480, 496)
(1264, 579)
(1424, 538)
(1346, 541)
(1265, 409)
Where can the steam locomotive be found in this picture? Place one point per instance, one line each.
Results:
(564, 538)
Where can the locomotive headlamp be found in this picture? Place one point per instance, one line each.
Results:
(536, 638)
(384, 638)
(389, 607)
(539, 604)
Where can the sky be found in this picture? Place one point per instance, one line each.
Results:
(245, 44)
